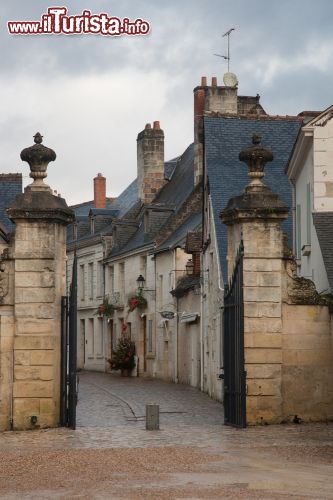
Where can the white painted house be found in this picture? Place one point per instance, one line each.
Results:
(310, 171)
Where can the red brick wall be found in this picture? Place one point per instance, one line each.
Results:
(99, 191)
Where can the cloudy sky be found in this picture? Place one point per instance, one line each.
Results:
(91, 95)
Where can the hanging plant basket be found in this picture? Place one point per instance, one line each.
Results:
(106, 309)
(137, 301)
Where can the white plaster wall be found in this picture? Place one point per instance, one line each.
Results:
(312, 266)
(90, 355)
(132, 269)
(323, 167)
(171, 266)
(212, 301)
(166, 331)
(189, 351)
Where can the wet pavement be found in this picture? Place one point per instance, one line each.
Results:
(193, 455)
(107, 400)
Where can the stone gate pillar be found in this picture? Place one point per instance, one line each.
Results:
(39, 282)
(256, 217)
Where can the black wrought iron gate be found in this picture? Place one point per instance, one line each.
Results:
(233, 348)
(69, 382)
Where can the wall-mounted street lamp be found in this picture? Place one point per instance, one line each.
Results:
(141, 282)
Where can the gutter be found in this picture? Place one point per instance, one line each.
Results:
(135, 251)
(70, 247)
(293, 212)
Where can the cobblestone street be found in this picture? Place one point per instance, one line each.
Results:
(194, 455)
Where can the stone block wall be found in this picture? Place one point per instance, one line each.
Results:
(32, 282)
(39, 254)
(307, 362)
(6, 365)
(262, 321)
(150, 162)
(6, 335)
(288, 348)
(288, 335)
(221, 99)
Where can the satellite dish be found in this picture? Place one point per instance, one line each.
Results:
(230, 79)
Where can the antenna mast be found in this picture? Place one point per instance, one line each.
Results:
(227, 33)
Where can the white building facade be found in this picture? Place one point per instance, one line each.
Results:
(310, 171)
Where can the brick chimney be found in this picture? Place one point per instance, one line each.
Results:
(199, 107)
(213, 98)
(100, 191)
(150, 162)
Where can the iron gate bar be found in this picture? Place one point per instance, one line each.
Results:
(68, 354)
(233, 352)
(72, 330)
(63, 374)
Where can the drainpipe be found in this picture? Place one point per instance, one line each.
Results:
(202, 261)
(220, 286)
(293, 213)
(201, 331)
(11, 421)
(105, 322)
(177, 322)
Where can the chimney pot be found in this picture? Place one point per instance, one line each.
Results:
(214, 81)
(156, 125)
(203, 81)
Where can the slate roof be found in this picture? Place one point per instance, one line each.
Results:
(10, 187)
(224, 138)
(180, 185)
(86, 206)
(323, 222)
(178, 237)
(173, 194)
(126, 199)
(103, 212)
(115, 207)
(179, 175)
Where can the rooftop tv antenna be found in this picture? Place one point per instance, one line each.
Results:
(227, 33)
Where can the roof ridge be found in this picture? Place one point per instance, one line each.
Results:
(217, 114)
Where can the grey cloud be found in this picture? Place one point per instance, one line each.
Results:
(167, 65)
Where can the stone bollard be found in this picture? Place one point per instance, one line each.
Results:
(152, 417)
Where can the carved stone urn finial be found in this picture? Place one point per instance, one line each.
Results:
(256, 157)
(38, 138)
(38, 156)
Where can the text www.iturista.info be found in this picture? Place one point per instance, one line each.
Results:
(57, 22)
